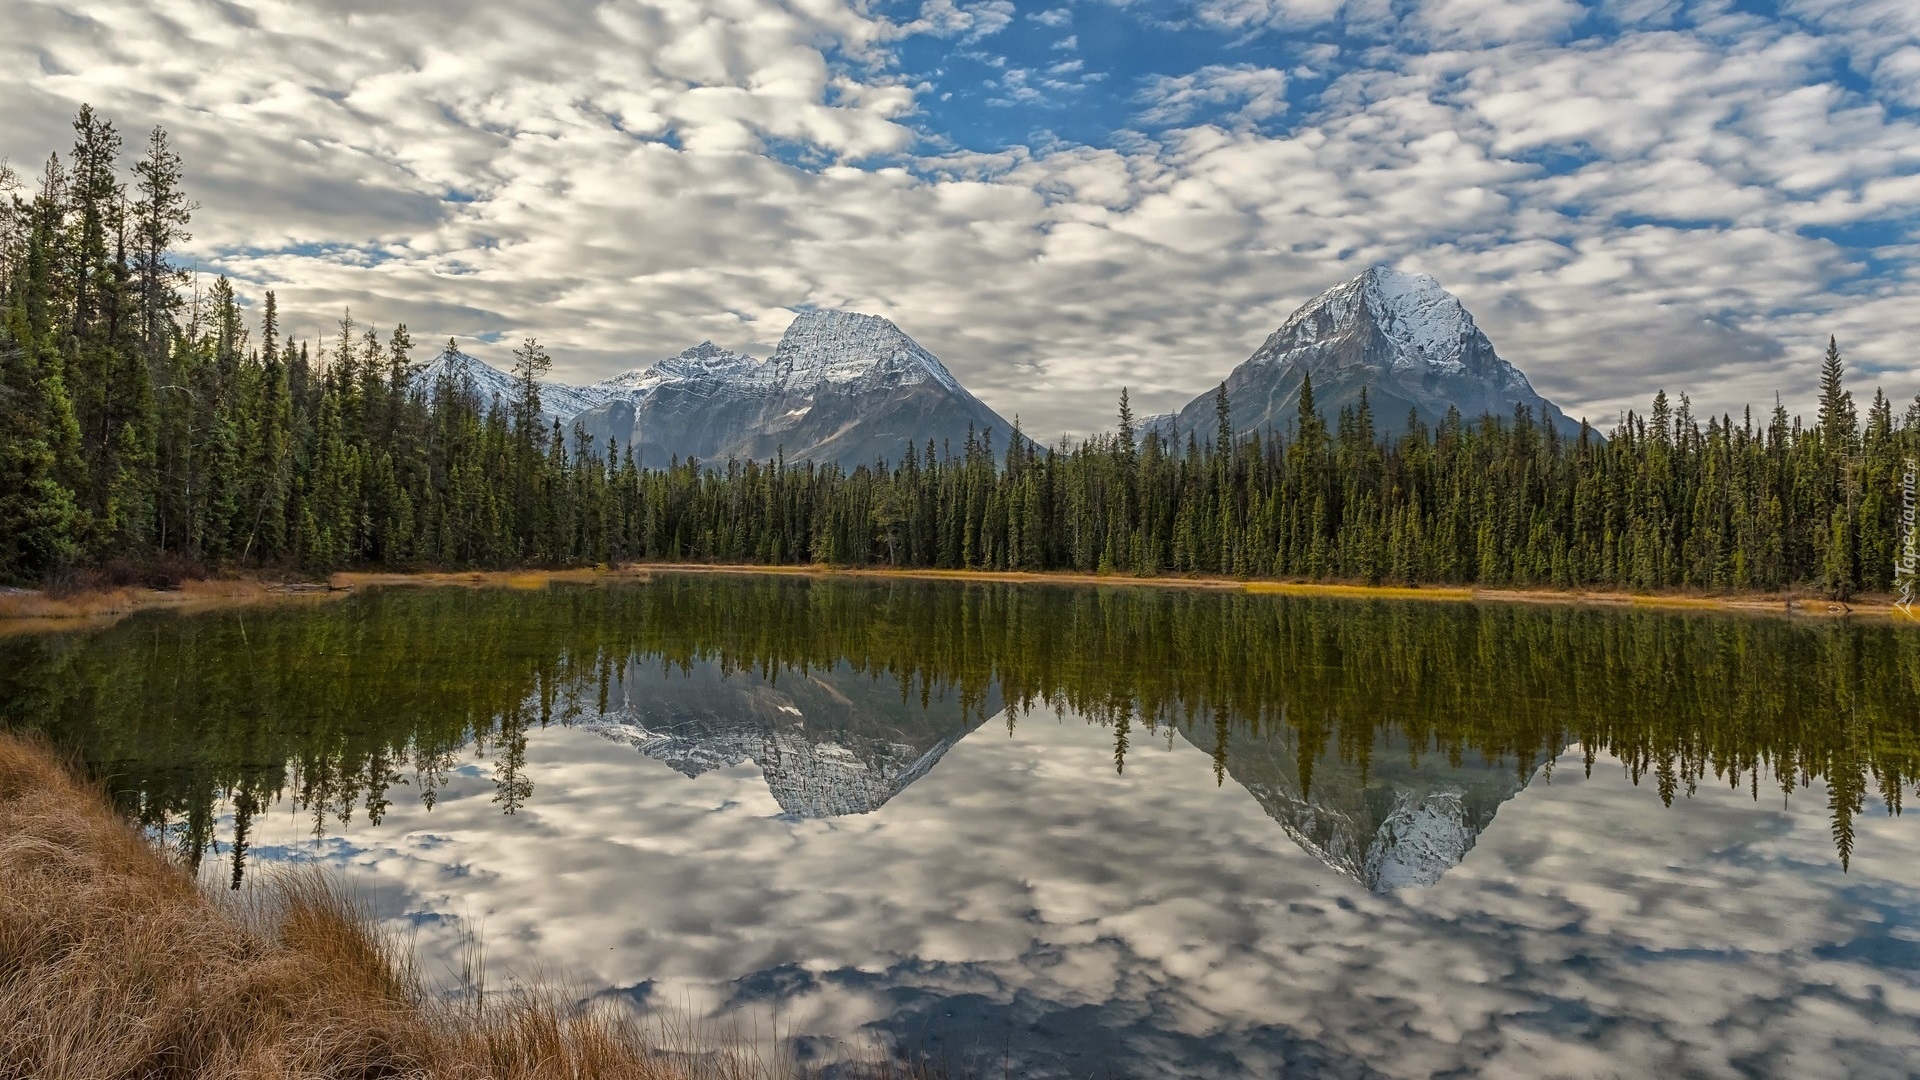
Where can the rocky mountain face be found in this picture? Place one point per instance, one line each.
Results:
(1402, 338)
(1392, 823)
(558, 401)
(841, 388)
(829, 742)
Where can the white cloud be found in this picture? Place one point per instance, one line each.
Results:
(1879, 35)
(622, 180)
(1278, 13)
(968, 22)
(1257, 94)
(1053, 16)
(1015, 89)
(1487, 21)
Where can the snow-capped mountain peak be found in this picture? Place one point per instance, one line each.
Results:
(705, 361)
(1400, 338)
(1415, 313)
(846, 347)
(1420, 320)
(841, 387)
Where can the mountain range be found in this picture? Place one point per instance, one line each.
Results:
(850, 389)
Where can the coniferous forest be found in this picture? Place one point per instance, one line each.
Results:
(150, 428)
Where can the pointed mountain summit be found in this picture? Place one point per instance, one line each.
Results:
(1410, 344)
(704, 361)
(841, 388)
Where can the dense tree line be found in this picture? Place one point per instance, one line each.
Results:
(142, 420)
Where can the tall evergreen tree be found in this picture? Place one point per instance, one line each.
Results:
(160, 215)
(1839, 422)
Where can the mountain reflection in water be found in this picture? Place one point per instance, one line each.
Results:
(1085, 829)
(837, 741)
(829, 742)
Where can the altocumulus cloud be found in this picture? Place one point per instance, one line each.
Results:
(1630, 194)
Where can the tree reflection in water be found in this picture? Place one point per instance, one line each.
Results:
(1381, 735)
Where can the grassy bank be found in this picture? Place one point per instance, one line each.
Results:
(1797, 604)
(23, 610)
(26, 611)
(116, 962)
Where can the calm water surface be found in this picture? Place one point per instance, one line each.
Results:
(1074, 832)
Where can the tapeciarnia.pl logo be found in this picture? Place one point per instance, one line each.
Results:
(1906, 567)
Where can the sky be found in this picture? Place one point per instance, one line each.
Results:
(1058, 199)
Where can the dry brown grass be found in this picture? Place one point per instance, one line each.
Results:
(489, 579)
(97, 601)
(31, 611)
(34, 604)
(116, 963)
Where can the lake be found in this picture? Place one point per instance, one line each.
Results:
(1067, 831)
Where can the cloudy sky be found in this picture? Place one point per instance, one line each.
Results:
(1056, 198)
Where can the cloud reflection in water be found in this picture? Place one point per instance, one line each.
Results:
(1024, 899)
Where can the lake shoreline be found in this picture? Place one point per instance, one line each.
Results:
(29, 610)
(123, 961)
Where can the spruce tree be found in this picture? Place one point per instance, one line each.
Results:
(1838, 420)
(530, 366)
(161, 215)
(38, 513)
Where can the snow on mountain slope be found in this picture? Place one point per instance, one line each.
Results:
(1426, 321)
(705, 362)
(1402, 338)
(1400, 821)
(841, 387)
(850, 349)
(839, 348)
(558, 401)
(1416, 318)
(833, 742)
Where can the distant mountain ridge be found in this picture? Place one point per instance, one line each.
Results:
(841, 388)
(1402, 338)
(850, 389)
(558, 401)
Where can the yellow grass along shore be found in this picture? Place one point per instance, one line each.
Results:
(25, 611)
